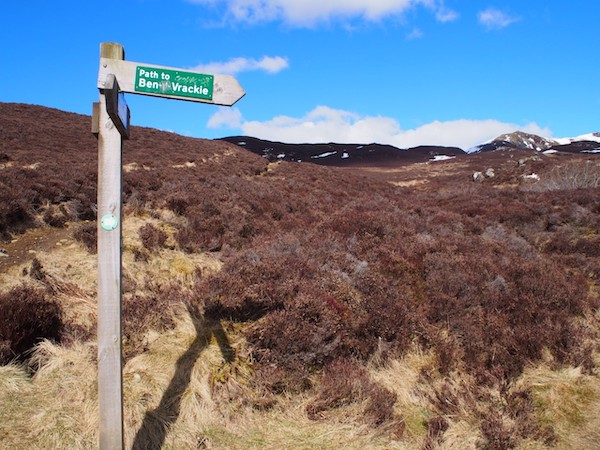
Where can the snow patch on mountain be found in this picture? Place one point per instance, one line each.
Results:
(592, 137)
(520, 139)
(323, 155)
(441, 158)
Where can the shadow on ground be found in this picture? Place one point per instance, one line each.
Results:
(156, 423)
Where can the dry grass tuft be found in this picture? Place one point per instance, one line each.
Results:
(57, 408)
(403, 377)
(568, 400)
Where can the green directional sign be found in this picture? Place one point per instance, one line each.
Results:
(153, 80)
(170, 82)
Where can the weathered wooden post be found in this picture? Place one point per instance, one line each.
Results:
(110, 123)
(110, 144)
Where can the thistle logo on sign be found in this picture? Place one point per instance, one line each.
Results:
(152, 80)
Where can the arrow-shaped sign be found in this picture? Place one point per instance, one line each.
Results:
(170, 82)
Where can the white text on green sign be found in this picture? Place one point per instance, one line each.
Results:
(152, 80)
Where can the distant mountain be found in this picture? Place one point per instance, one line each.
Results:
(333, 154)
(519, 139)
(587, 143)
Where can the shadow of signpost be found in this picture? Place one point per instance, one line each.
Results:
(156, 423)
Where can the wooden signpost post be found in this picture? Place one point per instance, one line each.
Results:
(110, 122)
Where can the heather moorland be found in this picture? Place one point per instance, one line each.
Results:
(396, 305)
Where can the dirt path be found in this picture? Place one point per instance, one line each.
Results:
(25, 246)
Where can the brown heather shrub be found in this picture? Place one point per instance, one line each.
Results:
(317, 301)
(50, 217)
(504, 310)
(497, 304)
(588, 246)
(344, 382)
(202, 233)
(15, 216)
(498, 434)
(436, 427)
(507, 415)
(353, 222)
(573, 209)
(519, 406)
(87, 234)
(449, 396)
(391, 314)
(152, 237)
(36, 270)
(141, 254)
(52, 190)
(506, 425)
(472, 287)
(300, 339)
(27, 315)
(140, 185)
(570, 176)
(178, 203)
(258, 281)
(152, 311)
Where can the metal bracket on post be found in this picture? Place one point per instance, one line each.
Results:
(116, 106)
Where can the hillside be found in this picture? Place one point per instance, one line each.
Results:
(342, 155)
(377, 155)
(274, 304)
(589, 143)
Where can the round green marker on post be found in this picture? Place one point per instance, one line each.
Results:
(109, 222)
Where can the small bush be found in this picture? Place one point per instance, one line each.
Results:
(436, 427)
(570, 176)
(301, 338)
(502, 310)
(152, 237)
(87, 234)
(258, 281)
(202, 233)
(345, 382)
(54, 217)
(498, 434)
(27, 316)
(178, 204)
(142, 313)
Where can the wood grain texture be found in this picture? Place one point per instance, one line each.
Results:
(110, 389)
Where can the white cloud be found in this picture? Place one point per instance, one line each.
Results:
(415, 33)
(494, 19)
(270, 64)
(324, 124)
(444, 14)
(309, 12)
(225, 117)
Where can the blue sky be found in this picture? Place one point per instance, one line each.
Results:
(401, 72)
